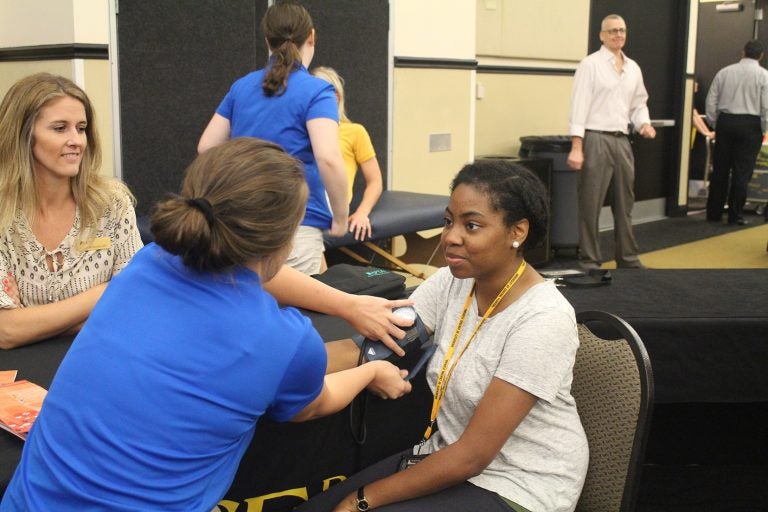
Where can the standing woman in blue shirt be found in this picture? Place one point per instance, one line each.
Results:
(284, 104)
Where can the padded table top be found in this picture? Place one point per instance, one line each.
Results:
(397, 213)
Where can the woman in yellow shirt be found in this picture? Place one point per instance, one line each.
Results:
(357, 150)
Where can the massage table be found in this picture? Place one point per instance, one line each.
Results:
(396, 213)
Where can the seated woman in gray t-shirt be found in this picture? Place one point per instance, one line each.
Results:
(509, 433)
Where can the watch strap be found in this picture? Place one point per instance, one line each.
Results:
(362, 502)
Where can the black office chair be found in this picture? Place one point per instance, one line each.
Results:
(613, 388)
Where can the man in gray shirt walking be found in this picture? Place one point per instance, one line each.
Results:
(737, 108)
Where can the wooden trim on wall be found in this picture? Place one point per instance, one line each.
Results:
(419, 62)
(55, 52)
(471, 64)
(524, 70)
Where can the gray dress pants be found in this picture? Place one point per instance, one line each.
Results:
(608, 171)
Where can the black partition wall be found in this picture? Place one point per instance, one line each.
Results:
(177, 60)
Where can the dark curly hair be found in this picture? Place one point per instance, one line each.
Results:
(514, 191)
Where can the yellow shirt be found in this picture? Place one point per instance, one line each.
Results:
(356, 148)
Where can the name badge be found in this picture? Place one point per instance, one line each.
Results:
(103, 242)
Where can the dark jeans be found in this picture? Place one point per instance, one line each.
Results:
(458, 498)
(738, 142)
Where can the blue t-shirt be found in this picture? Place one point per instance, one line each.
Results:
(283, 120)
(157, 399)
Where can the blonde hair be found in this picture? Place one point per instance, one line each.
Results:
(240, 201)
(332, 77)
(18, 113)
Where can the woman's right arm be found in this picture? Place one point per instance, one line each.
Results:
(370, 316)
(217, 132)
(341, 387)
(324, 136)
(22, 326)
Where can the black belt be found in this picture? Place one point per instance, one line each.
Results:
(606, 132)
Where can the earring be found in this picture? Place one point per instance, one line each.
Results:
(515, 244)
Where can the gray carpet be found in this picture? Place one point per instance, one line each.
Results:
(653, 236)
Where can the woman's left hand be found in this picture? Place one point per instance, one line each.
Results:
(389, 381)
(360, 226)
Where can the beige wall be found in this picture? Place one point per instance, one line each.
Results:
(545, 29)
(486, 113)
(690, 66)
(36, 22)
(516, 105)
(430, 101)
(427, 101)
(433, 28)
(42, 22)
(10, 72)
(545, 35)
(91, 21)
(97, 82)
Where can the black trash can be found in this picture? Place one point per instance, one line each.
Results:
(564, 225)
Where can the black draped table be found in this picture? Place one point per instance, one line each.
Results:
(706, 332)
(286, 462)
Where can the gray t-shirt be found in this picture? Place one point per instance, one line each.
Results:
(532, 345)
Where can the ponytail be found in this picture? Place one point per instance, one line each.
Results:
(284, 61)
(286, 27)
(240, 201)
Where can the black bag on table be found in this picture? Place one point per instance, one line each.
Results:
(361, 280)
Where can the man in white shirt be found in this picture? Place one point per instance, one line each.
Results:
(737, 107)
(608, 97)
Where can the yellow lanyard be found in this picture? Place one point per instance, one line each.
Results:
(446, 372)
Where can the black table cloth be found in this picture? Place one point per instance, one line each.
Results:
(706, 331)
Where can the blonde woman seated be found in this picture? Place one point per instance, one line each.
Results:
(64, 229)
(357, 150)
